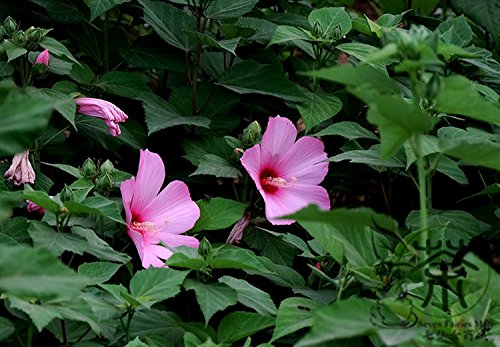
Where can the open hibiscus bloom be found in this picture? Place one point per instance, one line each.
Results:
(153, 218)
(287, 173)
(103, 109)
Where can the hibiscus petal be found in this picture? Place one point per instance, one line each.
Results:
(291, 199)
(173, 210)
(251, 162)
(138, 241)
(152, 255)
(150, 177)
(306, 160)
(127, 189)
(277, 140)
(173, 240)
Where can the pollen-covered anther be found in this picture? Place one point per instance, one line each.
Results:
(277, 182)
(144, 226)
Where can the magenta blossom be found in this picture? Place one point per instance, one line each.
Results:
(99, 108)
(21, 171)
(287, 173)
(153, 218)
(31, 207)
(43, 58)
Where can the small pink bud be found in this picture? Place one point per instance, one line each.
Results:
(43, 58)
(32, 207)
(318, 265)
(236, 233)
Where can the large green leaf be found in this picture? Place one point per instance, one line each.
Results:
(41, 315)
(66, 11)
(318, 109)
(155, 284)
(57, 48)
(211, 164)
(362, 52)
(64, 104)
(251, 77)
(294, 314)
(14, 231)
(483, 12)
(98, 272)
(212, 297)
(472, 151)
(456, 31)
(238, 325)
(96, 205)
(6, 328)
(459, 96)
(43, 235)
(286, 33)
(22, 118)
(148, 323)
(42, 199)
(98, 247)
(349, 130)
(228, 45)
(270, 246)
(169, 22)
(98, 7)
(218, 213)
(251, 296)
(370, 157)
(333, 22)
(36, 272)
(161, 115)
(342, 319)
(223, 9)
(123, 83)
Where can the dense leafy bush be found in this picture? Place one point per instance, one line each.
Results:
(331, 172)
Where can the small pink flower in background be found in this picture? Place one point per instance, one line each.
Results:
(32, 207)
(21, 171)
(43, 58)
(153, 216)
(99, 108)
(287, 173)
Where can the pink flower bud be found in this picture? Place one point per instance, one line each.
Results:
(32, 208)
(236, 233)
(99, 108)
(21, 171)
(43, 58)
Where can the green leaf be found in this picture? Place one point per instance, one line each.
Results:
(6, 328)
(270, 246)
(294, 314)
(57, 48)
(42, 199)
(66, 11)
(223, 9)
(73, 171)
(98, 272)
(8, 200)
(349, 130)
(456, 31)
(22, 118)
(212, 297)
(96, 205)
(429, 144)
(251, 77)
(450, 168)
(156, 284)
(227, 45)
(238, 325)
(40, 315)
(362, 52)
(218, 213)
(370, 157)
(170, 23)
(484, 12)
(211, 164)
(281, 275)
(350, 317)
(14, 231)
(98, 247)
(319, 109)
(148, 323)
(161, 115)
(459, 96)
(334, 22)
(251, 296)
(286, 33)
(357, 76)
(136, 343)
(196, 149)
(227, 256)
(98, 7)
(43, 235)
(478, 152)
(26, 271)
(64, 104)
(13, 50)
(146, 54)
(122, 83)
(187, 258)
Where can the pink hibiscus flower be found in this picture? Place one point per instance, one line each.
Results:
(43, 58)
(287, 173)
(153, 218)
(103, 109)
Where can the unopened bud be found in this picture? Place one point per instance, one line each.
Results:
(205, 248)
(89, 169)
(104, 183)
(35, 35)
(433, 87)
(107, 168)
(66, 194)
(251, 134)
(19, 38)
(236, 233)
(10, 26)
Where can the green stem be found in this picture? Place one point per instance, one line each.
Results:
(63, 331)
(422, 189)
(129, 320)
(53, 137)
(30, 335)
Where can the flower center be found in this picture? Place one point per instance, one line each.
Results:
(271, 182)
(143, 227)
